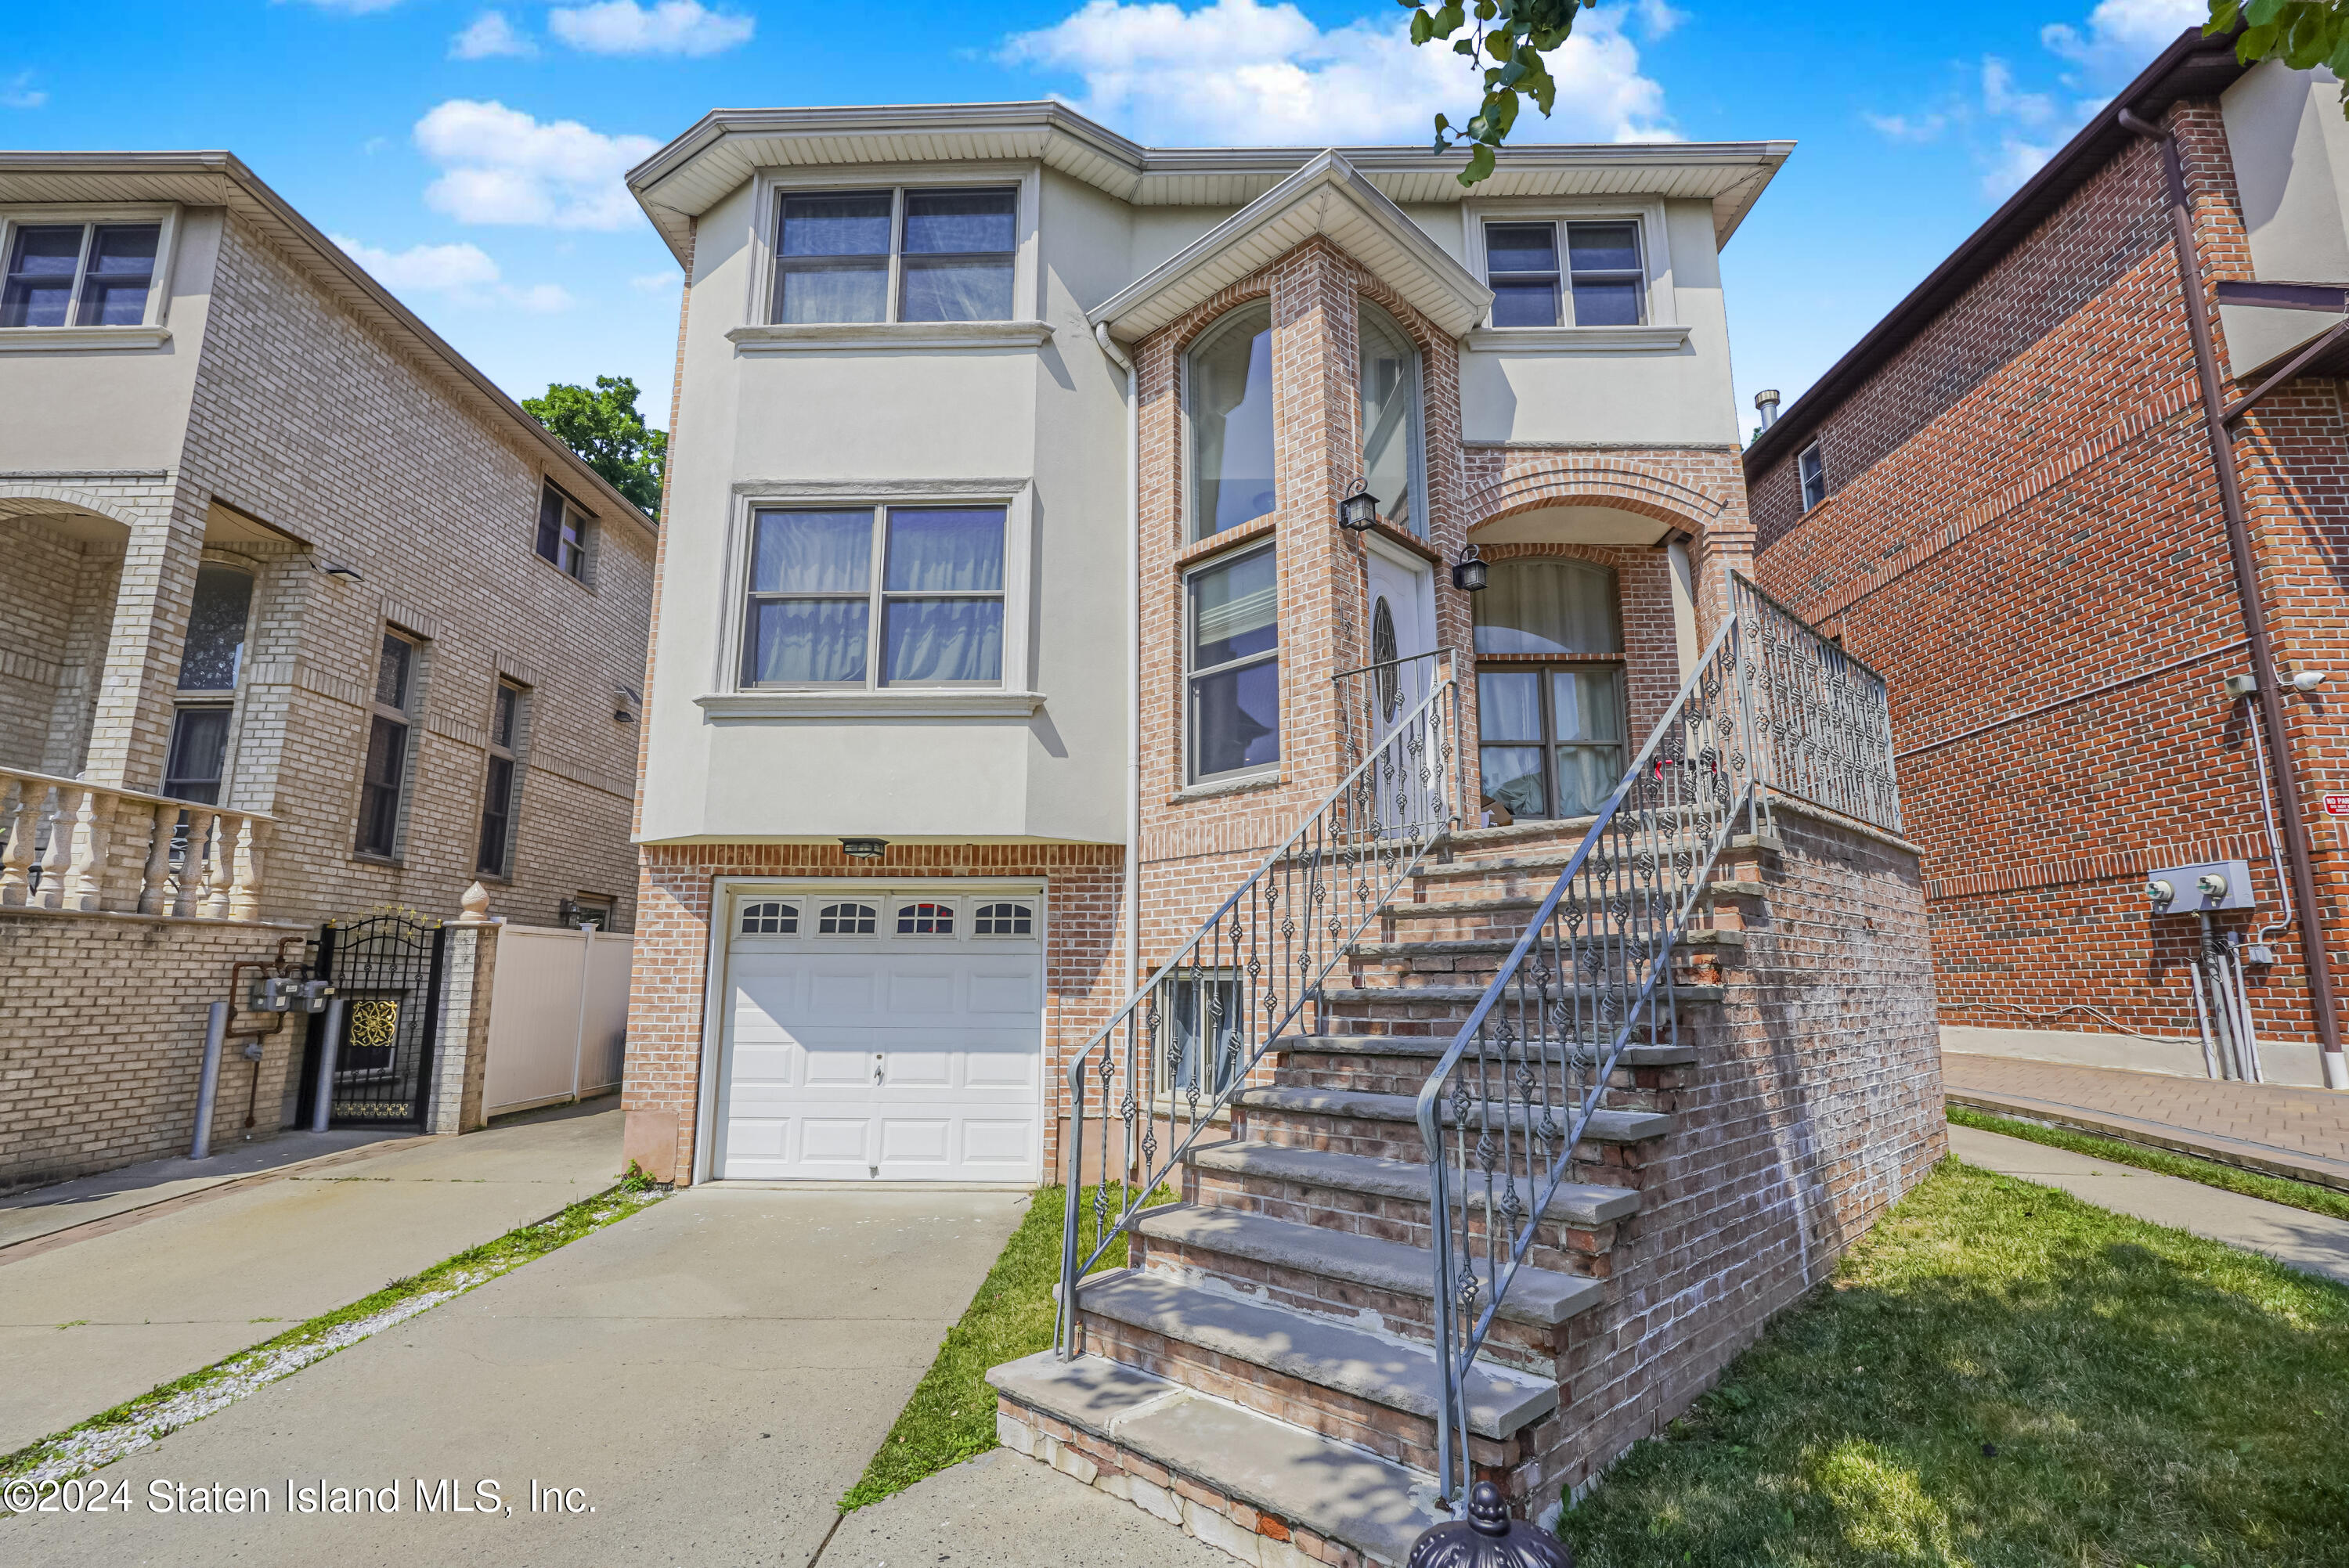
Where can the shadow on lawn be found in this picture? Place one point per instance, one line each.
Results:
(2003, 1376)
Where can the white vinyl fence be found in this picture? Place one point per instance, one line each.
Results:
(558, 1016)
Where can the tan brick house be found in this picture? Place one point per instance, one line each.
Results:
(1160, 621)
(2006, 497)
(305, 617)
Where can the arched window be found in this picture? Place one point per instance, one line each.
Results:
(1003, 920)
(926, 920)
(846, 920)
(770, 920)
(1392, 465)
(1230, 380)
(1549, 687)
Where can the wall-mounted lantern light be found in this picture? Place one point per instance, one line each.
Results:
(863, 848)
(1359, 511)
(1469, 574)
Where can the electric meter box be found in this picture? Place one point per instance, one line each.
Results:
(2186, 895)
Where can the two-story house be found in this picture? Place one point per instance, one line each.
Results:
(304, 618)
(1145, 641)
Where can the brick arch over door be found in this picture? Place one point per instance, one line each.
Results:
(1643, 602)
(1614, 486)
(25, 499)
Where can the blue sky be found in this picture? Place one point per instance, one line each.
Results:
(471, 155)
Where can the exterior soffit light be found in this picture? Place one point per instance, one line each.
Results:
(1359, 511)
(863, 848)
(1469, 574)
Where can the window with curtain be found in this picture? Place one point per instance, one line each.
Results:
(1550, 731)
(1232, 666)
(79, 274)
(1228, 374)
(896, 255)
(1391, 463)
(822, 615)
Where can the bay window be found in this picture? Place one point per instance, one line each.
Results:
(1232, 666)
(1392, 443)
(1229, 378)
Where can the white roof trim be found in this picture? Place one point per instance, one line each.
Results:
(1326, 198)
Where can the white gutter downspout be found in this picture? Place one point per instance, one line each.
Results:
(1124, 361)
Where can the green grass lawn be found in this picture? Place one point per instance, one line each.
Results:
(2210, 1174)
(2004, 1377)
(951, 1415)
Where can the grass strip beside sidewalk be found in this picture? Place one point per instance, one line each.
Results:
(154, 1415)
(951, 1415)
(2210, 1173)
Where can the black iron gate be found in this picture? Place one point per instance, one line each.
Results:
(386, 970)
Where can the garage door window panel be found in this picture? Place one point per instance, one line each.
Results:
(847, 919)
(770, 918)
(1003, 920)
(926, 920)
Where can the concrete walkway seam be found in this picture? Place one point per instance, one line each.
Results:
(2265, 1159)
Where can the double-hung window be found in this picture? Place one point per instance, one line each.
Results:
(1549, 687)
(1232, 666)
(498, 786)
(79, 274)
(944, 254)
(384, 779)
(562, 532)
(1812, 467)
(879, 596)
(210, 662)
(1599, 280)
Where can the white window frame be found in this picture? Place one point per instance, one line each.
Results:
(1812, 451)
(1190, 424)
(1191, 778)
(1662, 328)
(762, 333)
(1416, 437)
(152, 330)
(730, 695)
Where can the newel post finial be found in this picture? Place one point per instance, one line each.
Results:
(476, 904)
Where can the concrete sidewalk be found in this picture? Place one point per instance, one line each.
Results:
(2314, 1244)
(87, 1325)
(711, 1373)
(2279, 1128)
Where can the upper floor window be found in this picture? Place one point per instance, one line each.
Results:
(896, 255)
(1230, 385)
(820, 614)
(79, 274)
(1392, 464)
(1812, 467)
(1232, 666)
(562, 531)
(1602, 282)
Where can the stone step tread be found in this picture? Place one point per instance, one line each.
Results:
(1694, 937)
(1690, 994)
(1471, 865)
(1605, 1126)
(1434, 1045)
(1584, 1205)
(1535, 1297)
(1437, 908)
(1376, 1367)
(1375, 1506)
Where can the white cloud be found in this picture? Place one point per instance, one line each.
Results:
(668, 27)
(1658, 18)
(1240, 72)
(351, 8)
(490, 35)
(503, 167)
(464, 273)
(2002, 100)
(2122, 34)
(1908, 126)
(655, 283)
(18, 92)
(2018, 160)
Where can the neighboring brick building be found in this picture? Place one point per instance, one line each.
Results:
(2004, 499)
(1055, 525)
(303, 618)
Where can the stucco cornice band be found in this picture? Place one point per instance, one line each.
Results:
(846, 337)
(952, 702)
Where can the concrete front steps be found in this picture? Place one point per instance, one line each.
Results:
(1262, 1371)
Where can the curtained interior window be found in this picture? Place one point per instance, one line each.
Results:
(896, 255)
(1230, 387)
(820, 614)
(1549, 687)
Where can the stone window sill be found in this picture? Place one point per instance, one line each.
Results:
(835, 337)
(46, 339)
(950, 702)
(1222, 787)
(1578, 339)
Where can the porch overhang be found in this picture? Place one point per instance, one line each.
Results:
(1328, 199)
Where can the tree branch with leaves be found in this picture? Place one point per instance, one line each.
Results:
(1512, 39)
(2303, 33)
(605, 428)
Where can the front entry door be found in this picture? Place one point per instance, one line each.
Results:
(1401, 597)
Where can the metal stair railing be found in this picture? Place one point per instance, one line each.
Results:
(1771, 707)
(1177, 1050)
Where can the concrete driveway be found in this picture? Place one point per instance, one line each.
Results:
(96, 1322)
(710, 1376)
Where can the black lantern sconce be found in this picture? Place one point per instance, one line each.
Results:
(1469, 574)
(863, 848)
(1489, 1538)
(1359, 511)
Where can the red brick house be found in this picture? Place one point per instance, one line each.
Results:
(2104, 665)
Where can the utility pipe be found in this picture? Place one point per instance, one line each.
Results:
(322, 1103)
(1124, 361)
(2239, 548)
(2202, 1016)
(208, 1085)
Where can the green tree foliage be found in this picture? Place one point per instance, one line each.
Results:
(2302, 33)
(603, 426)
(1510, 39)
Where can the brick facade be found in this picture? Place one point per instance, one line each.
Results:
(2024, 535)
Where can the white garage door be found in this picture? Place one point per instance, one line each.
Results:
(892, 1036)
